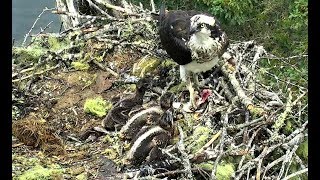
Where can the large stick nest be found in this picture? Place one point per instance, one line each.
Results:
(247, 130)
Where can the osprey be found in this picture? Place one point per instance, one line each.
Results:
(195, 41)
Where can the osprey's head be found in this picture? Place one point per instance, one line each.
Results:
(206, 36)
(202, 24)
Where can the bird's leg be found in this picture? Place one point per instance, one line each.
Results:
(193, 91)
(196, 81)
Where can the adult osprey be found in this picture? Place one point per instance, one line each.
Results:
(195, 41)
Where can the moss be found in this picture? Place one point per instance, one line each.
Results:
(288, 128)
(199, 138)
(107, 139)
(30, 54)
(110, 153)
(207, 166)
(97, 106)
(40, 173)
(87, 80)
(168, 63)
(224, 171)
(178, 88)
(294, 167)
(82, 176)
(302, 151)
(145, 66)
(56, 44)
(130, 87)
(80, 66)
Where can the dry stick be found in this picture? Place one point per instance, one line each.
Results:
(105, 68)
(185, 158)
(98, 8)
(22, 71)
(37, 73)
(35, 22)
(252, 162)
(169, 173)
(288, 160)
(41, 31)
(214, 137)
(153, 7)
(280, 121)
(248, 146)
(245, 100)
(296, 174)
(249, 123)
(110, 6)
(225, 118)
(273, 163)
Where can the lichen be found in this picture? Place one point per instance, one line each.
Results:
(224, 171)
(40, 173)
(80, 66)
(97, 106)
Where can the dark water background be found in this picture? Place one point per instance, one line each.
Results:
(25, 12)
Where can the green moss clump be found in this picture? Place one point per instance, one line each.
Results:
(80, 65)
(302, 151)
(82, 176)
(288, 128)
(40, 173)
(56, 44)
(30, 54)
(178, 88)
(97, 106)
(145, 65)
(199, 138)
(110, 153)
(225, 171)
(208, 166)
(168, 63)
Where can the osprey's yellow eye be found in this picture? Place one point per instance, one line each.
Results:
(202, 25)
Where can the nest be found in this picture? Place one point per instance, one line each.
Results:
(242, 130)
(35, 133)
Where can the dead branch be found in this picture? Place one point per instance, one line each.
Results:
(35, 22)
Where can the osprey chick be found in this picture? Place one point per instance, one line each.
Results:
(195, 41)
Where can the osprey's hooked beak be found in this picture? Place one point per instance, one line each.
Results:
(194, 30)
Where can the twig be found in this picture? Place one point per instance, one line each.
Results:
(35, 22)
(41, 31)
(105, 68)
(273, 163)
(22, 71)
(185, 158)
(170, 173)
(225, 118)
(296, 174)
(153, 7)
(214, 137)
(245, 100)
(37, 73)
(249, 123)
(98, 8)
